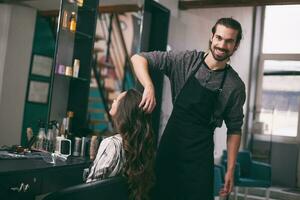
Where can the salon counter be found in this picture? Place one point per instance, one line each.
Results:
(27, 178)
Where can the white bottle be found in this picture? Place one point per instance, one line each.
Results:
(41, 139)
(76, 67)
(50, 139)
(63, 146)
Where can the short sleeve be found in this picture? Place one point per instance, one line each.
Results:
(108, 161)
(234, 115)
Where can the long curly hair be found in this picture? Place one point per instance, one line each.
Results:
(134, 125)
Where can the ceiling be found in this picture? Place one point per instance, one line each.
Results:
(183, 4)
(54, 4)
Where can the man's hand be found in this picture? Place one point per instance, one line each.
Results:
(228, 185)
(148, 102)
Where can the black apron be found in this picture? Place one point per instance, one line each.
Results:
(185, 160)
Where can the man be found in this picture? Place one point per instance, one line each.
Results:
(205, 91)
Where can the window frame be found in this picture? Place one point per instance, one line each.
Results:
(262, 58)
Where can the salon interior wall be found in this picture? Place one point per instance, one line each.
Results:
(16, 38)
(191, 29)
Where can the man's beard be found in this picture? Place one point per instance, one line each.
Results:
(226, 55)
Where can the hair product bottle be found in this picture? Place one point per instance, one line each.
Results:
(76, 67)
(73, 22)
(41, 139)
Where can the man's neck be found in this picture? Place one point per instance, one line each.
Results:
(213, 64)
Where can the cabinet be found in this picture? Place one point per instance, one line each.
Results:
(26, 178)
(65, 92)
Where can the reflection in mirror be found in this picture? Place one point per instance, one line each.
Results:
(23, 36)
(118, 34)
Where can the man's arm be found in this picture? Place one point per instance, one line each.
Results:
(140, 67)
(233, 144)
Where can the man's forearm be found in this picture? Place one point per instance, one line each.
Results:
(140, 66)
(233, 144)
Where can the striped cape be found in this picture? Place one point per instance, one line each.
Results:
(109, 161)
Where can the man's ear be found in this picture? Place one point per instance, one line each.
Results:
(236, 46)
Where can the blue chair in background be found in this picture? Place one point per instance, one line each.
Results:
(218, 179)
(249, 173)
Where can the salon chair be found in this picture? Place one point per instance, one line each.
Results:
(114, 188)
(249, 173)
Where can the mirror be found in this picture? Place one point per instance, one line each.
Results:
(18, 21)
(17, 36)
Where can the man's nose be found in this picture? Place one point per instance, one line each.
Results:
(222, 44)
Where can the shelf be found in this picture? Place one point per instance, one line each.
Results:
(72, 78)
(81, 8)
(78, 34)
(84, 35)
(86, 9)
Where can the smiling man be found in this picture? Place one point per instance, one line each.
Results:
(205, 92)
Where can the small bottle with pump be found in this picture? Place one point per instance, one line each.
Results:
(50, 138)
(41, 138)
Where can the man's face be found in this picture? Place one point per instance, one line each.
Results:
(223, 43)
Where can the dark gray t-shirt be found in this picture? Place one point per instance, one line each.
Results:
(179, 65)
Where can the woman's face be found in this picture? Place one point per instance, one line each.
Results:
(115, 104)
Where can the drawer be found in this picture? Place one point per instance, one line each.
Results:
(57, 179)
(19, 186)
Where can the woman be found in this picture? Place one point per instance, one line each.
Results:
(130, 152)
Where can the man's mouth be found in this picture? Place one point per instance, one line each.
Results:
(220, 51)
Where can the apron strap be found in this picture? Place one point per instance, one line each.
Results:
(199, 65)
(224, 75)
(223, 79)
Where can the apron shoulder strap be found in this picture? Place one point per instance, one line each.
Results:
(223, 79)
(200, 64)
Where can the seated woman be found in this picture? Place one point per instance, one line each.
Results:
(130, 152)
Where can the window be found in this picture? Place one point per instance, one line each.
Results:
(281, 29)
(279, 99)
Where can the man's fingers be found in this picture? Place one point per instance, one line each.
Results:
(142, 102)
(153, 104)
(146, 105)
(148, 101)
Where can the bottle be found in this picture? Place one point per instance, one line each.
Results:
(41, 139)
(76, 66)
(63, 146)
(65, 23)
(68, 125)
(50, 138)
(69, 71)
(77, 146)
(73, 22)
(29, 133)
(93, 147)
(80, 3)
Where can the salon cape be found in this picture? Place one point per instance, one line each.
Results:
(110, 159)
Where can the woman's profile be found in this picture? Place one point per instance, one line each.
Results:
(130, 152)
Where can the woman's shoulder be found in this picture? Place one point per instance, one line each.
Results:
(114, 140)
(115, 137)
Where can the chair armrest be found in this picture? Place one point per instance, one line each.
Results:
(222, 170)
(261, 171)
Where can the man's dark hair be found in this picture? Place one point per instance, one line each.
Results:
(229, 23)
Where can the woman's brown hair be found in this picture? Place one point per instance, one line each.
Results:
(134, 125)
